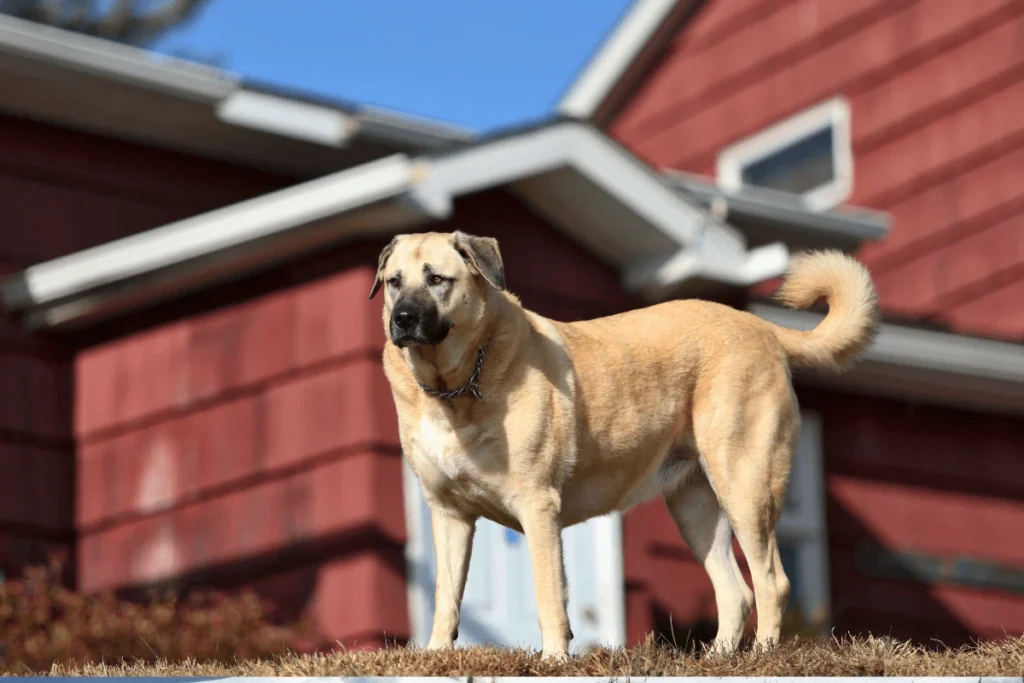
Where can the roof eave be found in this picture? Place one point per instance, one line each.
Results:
(145, 98)
(569, 173)
(767, 215)
(103, 281)
(932, 367)
(638, 37)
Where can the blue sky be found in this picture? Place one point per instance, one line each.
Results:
(479, 63)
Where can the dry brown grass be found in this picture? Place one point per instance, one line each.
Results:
(847, 657)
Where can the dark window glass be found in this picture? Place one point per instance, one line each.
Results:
(797, 168)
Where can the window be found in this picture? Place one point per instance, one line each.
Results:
(802, 532)
(808, 155)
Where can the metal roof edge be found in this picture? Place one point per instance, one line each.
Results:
(147, 70)
(619, 50)
(77, 52)
(782, 209)
(376, 121)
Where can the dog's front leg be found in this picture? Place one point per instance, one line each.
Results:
(453, 541)
(539, 518)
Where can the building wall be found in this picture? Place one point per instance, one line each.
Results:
(63, 191)
(943, 483)
(935, 91)
(254, 441)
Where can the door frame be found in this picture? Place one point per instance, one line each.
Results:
(610, 575)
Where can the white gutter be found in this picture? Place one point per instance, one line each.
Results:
(632, 34)
(78, 52)
(286, 117)
(209, 233)
(931, 366)
(30, 45)
(659, 277)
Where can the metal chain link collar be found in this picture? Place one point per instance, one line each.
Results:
(471, 388)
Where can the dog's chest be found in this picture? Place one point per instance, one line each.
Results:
(441, 446)
(465, 467)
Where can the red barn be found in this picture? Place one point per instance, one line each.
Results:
(194, 394)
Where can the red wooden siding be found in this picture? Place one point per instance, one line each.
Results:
(63, 191)
(252, 440)
(935, 90)
(257, 442)
(929, 480)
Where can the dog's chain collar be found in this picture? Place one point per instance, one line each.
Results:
(471, 388)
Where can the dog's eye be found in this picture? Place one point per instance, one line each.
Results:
(436, 279)
(394, 280)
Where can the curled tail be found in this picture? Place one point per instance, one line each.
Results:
(852, 309)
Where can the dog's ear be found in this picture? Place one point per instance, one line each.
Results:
(382, 261)
(483, 256)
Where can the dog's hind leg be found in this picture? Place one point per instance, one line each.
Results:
(749, 473)
(453, 544)
(771, 587)
(703, 525)
(745, 431)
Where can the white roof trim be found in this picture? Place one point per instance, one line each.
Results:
(218, 243)
(38, 52)
(633, 32)
(287, 117)
(591, 154)
(924, 365)
(658, 278)
(95, 55)
(217, 230)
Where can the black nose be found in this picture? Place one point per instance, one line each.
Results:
(404, 319)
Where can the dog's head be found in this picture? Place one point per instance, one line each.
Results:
(435, 283)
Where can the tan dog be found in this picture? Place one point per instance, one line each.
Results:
(538, 425)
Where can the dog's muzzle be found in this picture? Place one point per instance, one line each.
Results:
(414, 323)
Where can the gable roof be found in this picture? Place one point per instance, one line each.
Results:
(637, 38)
(142, 97)
(569, 173)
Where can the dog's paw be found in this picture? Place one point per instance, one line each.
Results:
(765, 646)
(721, 648)
(554, 656)
(435, 645)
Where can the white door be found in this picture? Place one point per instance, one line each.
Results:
(802, 530)
(499, 607)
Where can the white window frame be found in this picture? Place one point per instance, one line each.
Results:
(834, 113)
(806, 528)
